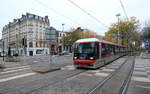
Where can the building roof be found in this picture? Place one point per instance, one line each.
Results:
(27, 16)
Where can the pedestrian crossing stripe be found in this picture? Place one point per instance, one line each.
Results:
(15, 77)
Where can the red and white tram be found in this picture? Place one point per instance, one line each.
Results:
(93, 53)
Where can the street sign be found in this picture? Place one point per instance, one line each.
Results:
(146, 40)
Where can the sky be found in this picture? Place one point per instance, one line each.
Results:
(63, 12)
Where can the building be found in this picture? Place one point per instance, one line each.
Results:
(51, 36)
(26, 35)
(1, 47)
(62, 47)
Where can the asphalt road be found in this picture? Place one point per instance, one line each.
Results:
(21, 79)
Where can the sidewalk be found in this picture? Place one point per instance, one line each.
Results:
(145, 56)
(140, 81)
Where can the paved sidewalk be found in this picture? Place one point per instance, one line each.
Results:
(145, 55)
(140, 81)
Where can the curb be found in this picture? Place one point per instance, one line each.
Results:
(46, 71)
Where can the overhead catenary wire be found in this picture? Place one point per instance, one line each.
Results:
(123, 8)
(83, 10)
(56, 12)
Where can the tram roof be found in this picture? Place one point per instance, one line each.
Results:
(95, 40)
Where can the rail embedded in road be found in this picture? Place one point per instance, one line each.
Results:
(116, 83)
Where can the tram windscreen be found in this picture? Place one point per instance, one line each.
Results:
(86, 50)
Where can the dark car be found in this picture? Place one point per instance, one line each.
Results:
(65, 53)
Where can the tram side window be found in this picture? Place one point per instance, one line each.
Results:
(117, 49)
(97, 50)
(103, 50)
(112, 50)
(120, 49)
(107, 50)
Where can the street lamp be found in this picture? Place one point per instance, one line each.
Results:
(63, 27)
(118, 15)
(62, 35)
(3, 48)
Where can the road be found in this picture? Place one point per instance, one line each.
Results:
(19, 78)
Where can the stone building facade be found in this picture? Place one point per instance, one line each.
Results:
(26, 35)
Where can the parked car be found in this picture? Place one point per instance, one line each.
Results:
(65, 53)
(147, 52)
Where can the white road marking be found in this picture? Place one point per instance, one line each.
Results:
(13, 71)
(139, 69)
(143, 86)
(140, 79)
(108, 70)
(101, 74)
(139, 73)
(15, 77)
(16, 68)
(68, 67)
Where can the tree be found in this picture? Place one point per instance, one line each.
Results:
(70, 37)
(89, 34)
(75, 34)
(124, 32)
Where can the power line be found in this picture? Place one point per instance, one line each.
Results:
(93, 17)
(123, 8)
(56, 12)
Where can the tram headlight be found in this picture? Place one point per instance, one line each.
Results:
(75, 57)
(91, 58)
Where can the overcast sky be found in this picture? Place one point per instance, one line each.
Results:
(63, 12)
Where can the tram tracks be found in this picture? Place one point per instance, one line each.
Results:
(125, 84)
(116, 83)
(61, 77)
(73, 83)
(41, 82)
(70, 75)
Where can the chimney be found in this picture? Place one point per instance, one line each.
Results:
(15, 20)
(27, 13)
(23, 16)
(46, 17)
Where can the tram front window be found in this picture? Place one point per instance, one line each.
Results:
(85, 51)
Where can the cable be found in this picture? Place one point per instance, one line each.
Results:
(93, 17)
(123, 8)
(44, 5)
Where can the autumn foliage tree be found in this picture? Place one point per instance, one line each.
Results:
(125, 32)
(75, 34)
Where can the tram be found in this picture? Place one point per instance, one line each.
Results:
(94, 53)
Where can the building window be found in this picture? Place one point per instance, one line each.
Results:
(39, 51)
(36, 44)
(30, 16)
(36, 17)
(40, 18)
(30, 44)
(30, 23)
